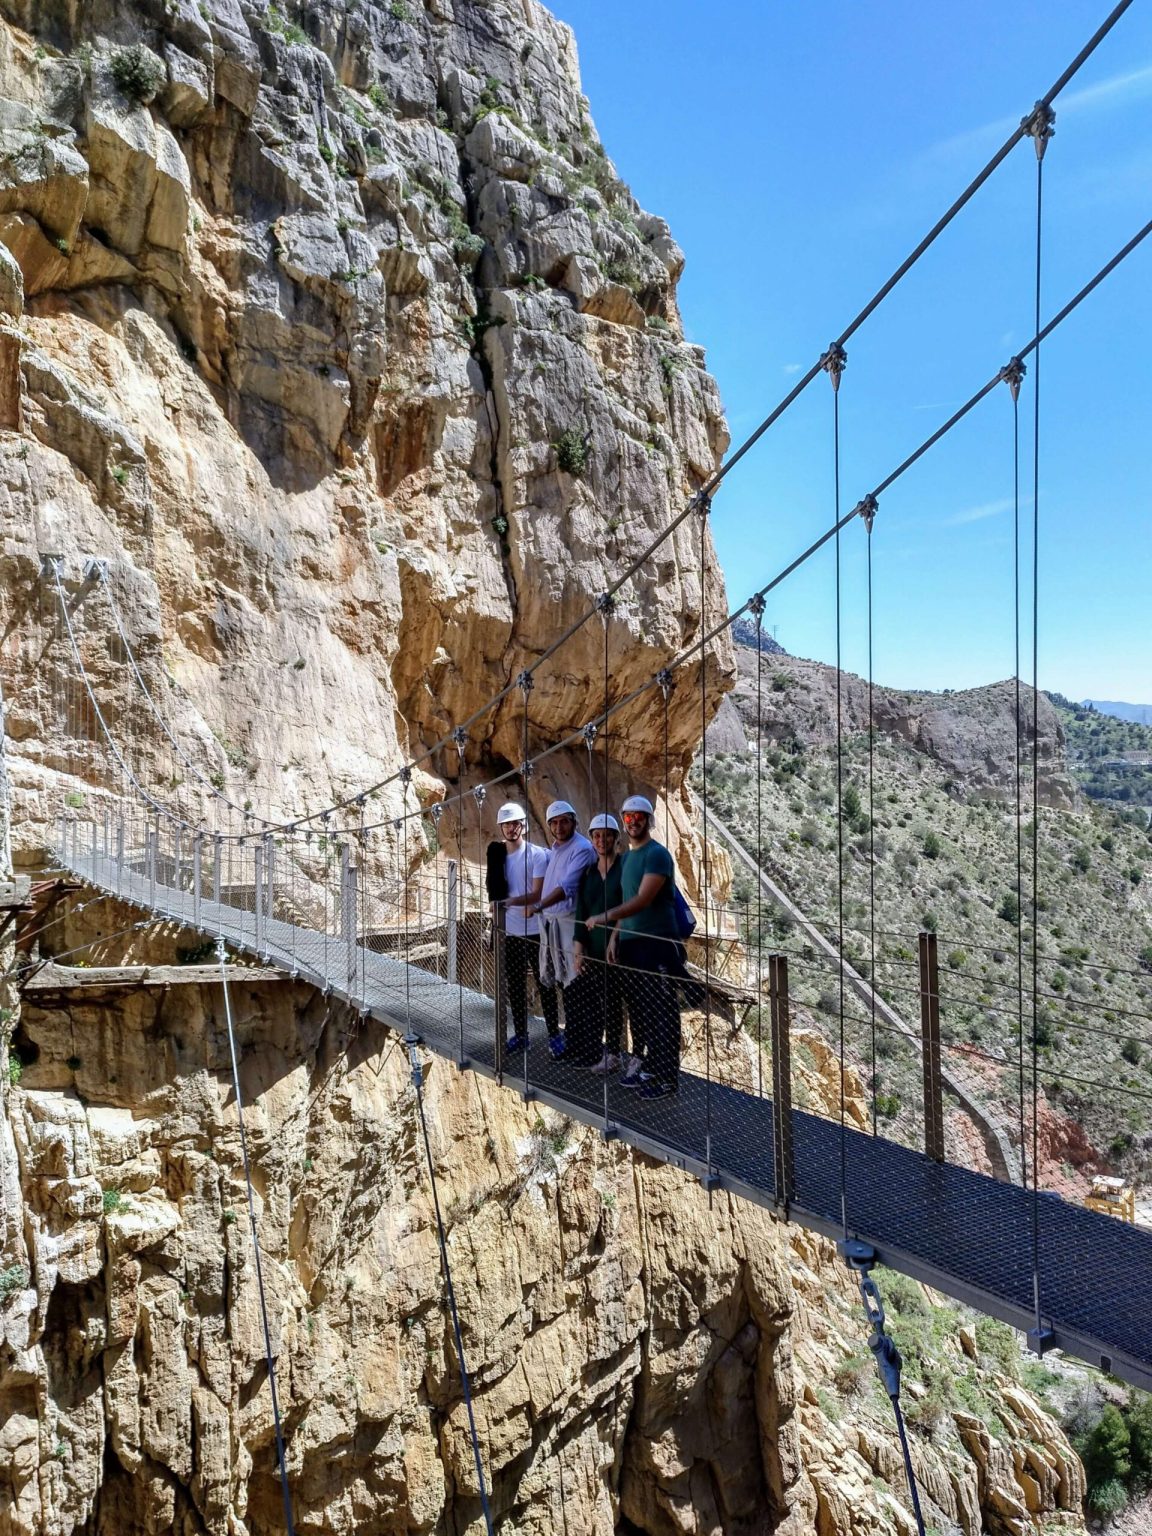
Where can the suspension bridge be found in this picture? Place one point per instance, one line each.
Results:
(307, 895)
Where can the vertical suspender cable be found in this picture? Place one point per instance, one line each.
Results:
(1041, 129)
(873, 982)
(834, 362)
(759, 848)
(1014, 375)
(705, 871)
(607, 931)
(280, 1459)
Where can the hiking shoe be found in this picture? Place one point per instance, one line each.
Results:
(514, 1044)
(654, 1089)
(635, 1074)
(607, 1064)
(557, 1045)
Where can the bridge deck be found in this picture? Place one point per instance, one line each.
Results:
(969, 1235)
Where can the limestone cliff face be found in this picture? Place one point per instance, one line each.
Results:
(644, 1357)
(334, 332)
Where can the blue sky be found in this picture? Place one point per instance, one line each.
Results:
(799, 152)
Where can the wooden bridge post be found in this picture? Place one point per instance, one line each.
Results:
(451, 938)
(783, 1156)
(930, 1039)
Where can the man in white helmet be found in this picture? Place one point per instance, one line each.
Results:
(524, 866)
(571, 855)
(648, 953)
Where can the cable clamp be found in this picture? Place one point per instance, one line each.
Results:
(834, 362)
(866, 508)
(589, 734)
(527, 770)
(398, 824)
(666, 681)
(525, 682)
(460, 740)
(480, 794)
(756, 607)
(1012, 374)
(405, 775)
(1039, 125)
(436, 811)
(95, 570)
(51, 565)
(701, 503)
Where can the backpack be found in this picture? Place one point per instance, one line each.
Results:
(683, 922)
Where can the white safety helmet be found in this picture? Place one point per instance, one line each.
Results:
(604, 824)
(510, 812)
(560, 808)
(637, 803)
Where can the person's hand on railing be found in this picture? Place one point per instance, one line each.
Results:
(577, 959)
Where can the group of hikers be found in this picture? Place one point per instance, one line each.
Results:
(602, 928)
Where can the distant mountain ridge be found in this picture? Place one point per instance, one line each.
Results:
(1141, 714)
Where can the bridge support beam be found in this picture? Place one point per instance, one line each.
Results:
(783, 1156)
(197, 877)
(930, 1040)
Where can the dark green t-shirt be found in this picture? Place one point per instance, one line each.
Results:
(650, 859)
(597, 895)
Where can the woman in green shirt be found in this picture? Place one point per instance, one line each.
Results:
(595, 1000)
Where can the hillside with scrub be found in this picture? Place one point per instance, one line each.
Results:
(931, 841)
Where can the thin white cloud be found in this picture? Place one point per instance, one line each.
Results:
(1132, 84)
(978, 513)
(793, 367)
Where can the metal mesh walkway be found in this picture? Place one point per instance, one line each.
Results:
(965, 1233)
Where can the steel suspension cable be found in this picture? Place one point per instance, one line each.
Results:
(689, 651)
(869, 519)
(1042, 132)
(705, 869)
(717, 477)
(758, 611)
(1014, 380)
(221, 955)
(835, 362)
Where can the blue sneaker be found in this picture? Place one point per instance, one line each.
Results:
(654, 1089)
(556, 1045)
(514, 1044)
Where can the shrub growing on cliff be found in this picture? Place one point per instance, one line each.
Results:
(138, 73)
(14, 1278)
(572, 452)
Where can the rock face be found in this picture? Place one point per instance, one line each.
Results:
(643, 1358)
(335, 334)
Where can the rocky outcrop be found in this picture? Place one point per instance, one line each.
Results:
(970, 732)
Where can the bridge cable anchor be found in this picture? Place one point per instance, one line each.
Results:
(834, 362)
(525, 682)
(666, 681)
(866, 509)
(1039, 125)
(1012, 374)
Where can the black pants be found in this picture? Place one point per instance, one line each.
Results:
(521, 954)
(647, 969)
(594, 1011)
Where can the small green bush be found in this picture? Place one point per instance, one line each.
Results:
(572, 452)
(138, 73)
(1107, 1498)
(1009, 908)
(14, 1278)
(931, 847)
(113, 1200)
